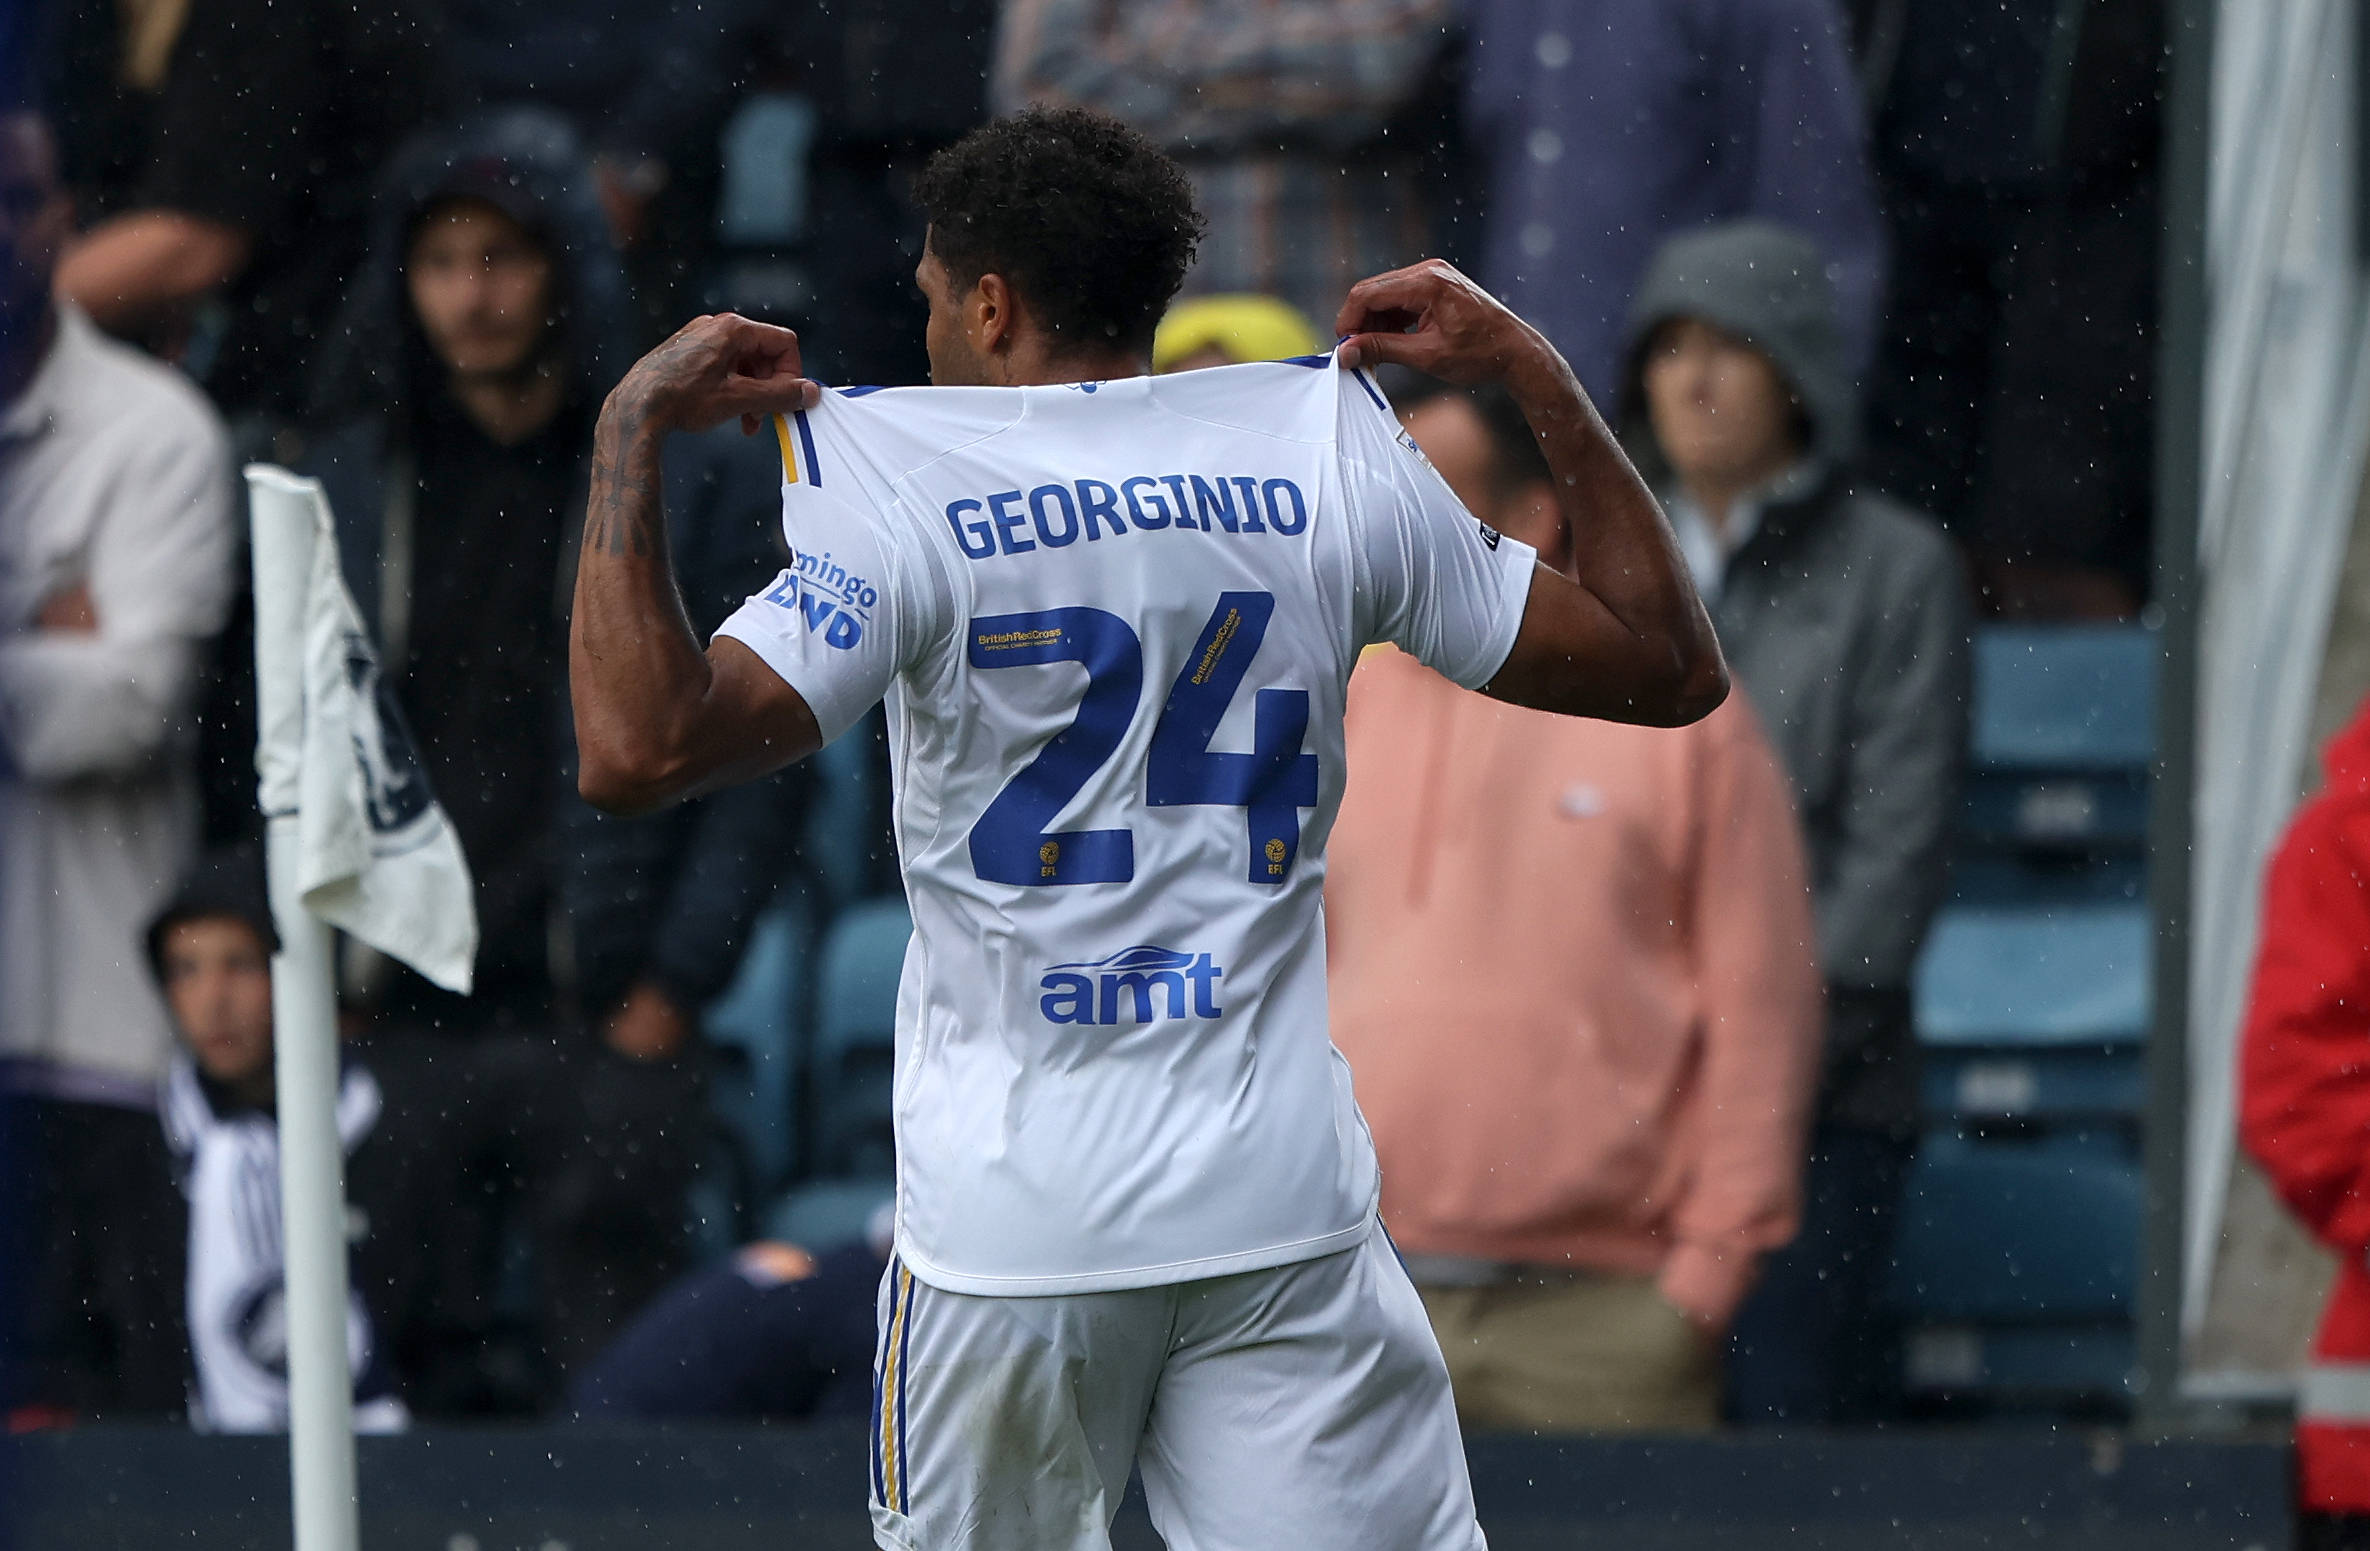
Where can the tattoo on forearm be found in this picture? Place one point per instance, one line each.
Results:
(627, 507)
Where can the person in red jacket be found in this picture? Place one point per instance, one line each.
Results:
(2304, 1113)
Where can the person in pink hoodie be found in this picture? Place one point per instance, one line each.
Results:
(1573, 969)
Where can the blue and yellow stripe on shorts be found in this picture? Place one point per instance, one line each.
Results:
(891, 1465)
(797, 439)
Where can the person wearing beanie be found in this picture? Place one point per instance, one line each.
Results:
(1846, 618)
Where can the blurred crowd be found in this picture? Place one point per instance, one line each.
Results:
(1628, 1011)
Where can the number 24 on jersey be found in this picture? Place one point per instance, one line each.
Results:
(1011, 843)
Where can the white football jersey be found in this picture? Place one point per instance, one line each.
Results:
(1114, 623)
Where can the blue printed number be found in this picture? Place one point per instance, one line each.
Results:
(1272, 783)
(1010, 844)
(1276, 779)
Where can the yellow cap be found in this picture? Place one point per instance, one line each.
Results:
(1245, 328)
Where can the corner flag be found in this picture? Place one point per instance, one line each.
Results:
(377, 857)
(354, 839)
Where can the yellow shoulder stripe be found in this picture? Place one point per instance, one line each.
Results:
(789, 458)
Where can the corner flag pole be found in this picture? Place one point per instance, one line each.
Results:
(304, 1035)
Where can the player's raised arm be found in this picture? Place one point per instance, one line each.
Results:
(658, 719)
(1624, 637)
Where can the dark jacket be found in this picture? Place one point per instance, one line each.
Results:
(1846, 617)
(669, 896)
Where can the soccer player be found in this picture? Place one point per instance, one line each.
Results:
(1114, 618)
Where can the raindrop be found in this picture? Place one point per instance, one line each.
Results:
(1555, 50)
(1537, 238)
(1547, 147)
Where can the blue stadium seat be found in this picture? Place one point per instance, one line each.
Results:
(827, 1214)
(2049, 1363)
(855, 1036)
(2036, 975)
(761, 265)
(2049, 1086)
(2056, 809)
(2015, 1266)
(2063, 731)
(2065, 697)
(2056, 877)
(761, 201)
(753, 1036)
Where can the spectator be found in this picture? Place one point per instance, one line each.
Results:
(1281, 114)
(270, 122)
(179, 1305)
(1845, 617)
(2019, 148)
(770, 1333)
(1571, 966)
(211, 950)
(1605, 128)
(115, 557)
(486, 327)
(1227, 330)
(456, 399)
(2304, 1113)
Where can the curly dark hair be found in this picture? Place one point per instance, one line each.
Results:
(1086, 218)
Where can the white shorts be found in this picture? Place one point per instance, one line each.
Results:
(1304, 1407)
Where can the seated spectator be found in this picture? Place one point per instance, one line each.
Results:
(1228, 330)
(1279, 113)
(460, 388)
(1571, 967)
(1845, 617)
(1606, 128)
(770, 1333)
(181, 1305)
(270, 122)
(2304, 1113)
(116, 545)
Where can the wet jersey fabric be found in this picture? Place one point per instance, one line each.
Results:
(1114, 625)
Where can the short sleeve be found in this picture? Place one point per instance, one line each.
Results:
(833, 622)
(1432, 579)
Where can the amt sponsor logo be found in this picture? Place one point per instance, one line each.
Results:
(829, 598)
(1134, 985)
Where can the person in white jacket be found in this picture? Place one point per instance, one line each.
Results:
(116, 546)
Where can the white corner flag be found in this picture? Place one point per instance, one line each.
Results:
(354, 839)
(377, 858)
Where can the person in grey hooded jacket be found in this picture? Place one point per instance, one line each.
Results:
(1845, 616)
